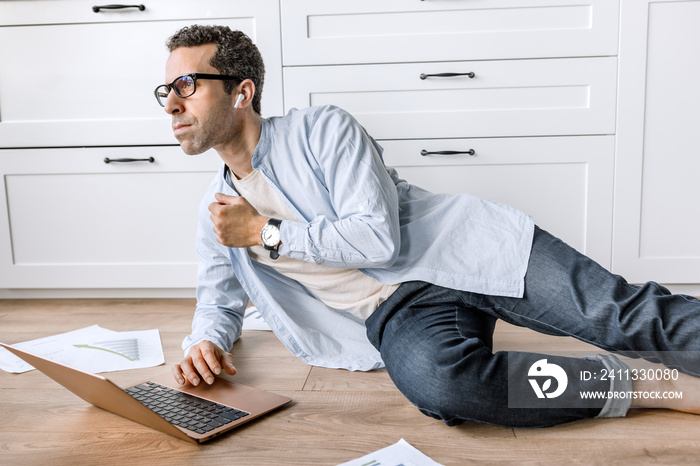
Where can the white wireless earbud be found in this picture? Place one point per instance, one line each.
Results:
(238, 100)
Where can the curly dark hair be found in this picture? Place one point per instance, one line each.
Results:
(236, 54)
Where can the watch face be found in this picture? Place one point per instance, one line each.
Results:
(270, 235)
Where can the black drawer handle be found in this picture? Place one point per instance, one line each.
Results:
(447, 152)
(97, 8)
(149, 159)
(446, 75)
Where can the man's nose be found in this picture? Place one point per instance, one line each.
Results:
(173, 103)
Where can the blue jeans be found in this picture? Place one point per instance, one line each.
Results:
(436, 342)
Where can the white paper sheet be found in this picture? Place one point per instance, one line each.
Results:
(399, 454)
(92, 349)
(254, 321)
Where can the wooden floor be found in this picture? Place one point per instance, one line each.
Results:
(336, 415)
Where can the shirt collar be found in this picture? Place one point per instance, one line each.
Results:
(263, 146)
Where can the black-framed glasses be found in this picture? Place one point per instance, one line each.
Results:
(186, 85)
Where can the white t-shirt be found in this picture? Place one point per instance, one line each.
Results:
(346, 289)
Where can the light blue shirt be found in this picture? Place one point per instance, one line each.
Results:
(357, 213)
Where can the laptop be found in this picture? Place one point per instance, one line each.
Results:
(195, 414)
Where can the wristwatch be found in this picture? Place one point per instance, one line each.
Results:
(270, 235)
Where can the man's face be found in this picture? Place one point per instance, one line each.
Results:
(204, 119)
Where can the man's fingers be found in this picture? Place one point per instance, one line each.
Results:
(201, 366)
(188, 372)
(215, 209)
(177, 373)
(227, 360)
(203, 362)
(212, 360)
(224, 198)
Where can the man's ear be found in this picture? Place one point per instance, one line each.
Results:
(247, 90)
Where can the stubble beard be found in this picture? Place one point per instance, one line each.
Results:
(216, 129)
(195, 145)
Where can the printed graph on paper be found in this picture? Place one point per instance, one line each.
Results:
(128, 348)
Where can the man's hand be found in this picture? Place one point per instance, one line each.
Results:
(236, 223)
(204, 360)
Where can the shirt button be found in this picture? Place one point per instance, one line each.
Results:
(293, 247)
(324, 254)
(361, 207)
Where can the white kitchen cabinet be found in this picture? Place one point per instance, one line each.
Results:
(73, 77)
(599, 148)
(76, 87)
(565, 183)
(71, 220)
(657, 192)
(529, 85)
(503, 98)
(395, 31)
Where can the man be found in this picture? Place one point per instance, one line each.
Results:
(354, 268)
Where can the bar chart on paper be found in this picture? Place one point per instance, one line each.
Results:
(128, 348)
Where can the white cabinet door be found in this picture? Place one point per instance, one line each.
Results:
(72, 77)
(317, 32)
(503, 98)
(657, 199)
(70, 220)
(564, 183)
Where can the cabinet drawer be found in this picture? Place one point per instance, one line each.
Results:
(504, 98)
(78, 78)
(70, 220)
(656, 186)
(392, 31)
(564, 183)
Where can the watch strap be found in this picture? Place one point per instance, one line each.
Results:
(275, 222)
(274, 254)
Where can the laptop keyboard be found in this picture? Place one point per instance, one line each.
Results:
(184, 410)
